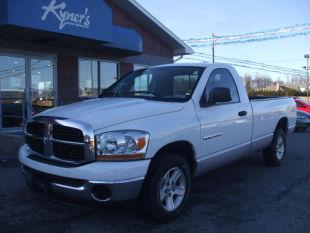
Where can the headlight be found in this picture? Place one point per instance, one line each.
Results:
(122, 145)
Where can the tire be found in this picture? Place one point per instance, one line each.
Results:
(158, 194)
(276, 152)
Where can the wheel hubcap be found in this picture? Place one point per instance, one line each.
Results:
(280, 148)
(172, 189)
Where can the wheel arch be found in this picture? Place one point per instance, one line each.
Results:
(283, 124)
(183, 148)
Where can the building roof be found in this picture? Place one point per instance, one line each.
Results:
(141, 15)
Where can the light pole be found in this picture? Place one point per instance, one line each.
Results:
(213, 47)
(307, 69)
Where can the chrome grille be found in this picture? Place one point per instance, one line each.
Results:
(35, 129)
(36, 145)
(62, 140)
(65, 133)
(68, 152)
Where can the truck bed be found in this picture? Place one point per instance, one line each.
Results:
(267, 112)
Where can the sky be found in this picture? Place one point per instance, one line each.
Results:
(200, 18)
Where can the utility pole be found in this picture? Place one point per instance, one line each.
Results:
(307, 69)
(213, 48)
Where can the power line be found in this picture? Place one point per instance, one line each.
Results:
(249, 64)
(252, 63)
(273, 34)
(289, 60)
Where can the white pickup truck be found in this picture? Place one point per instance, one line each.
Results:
(150, 134)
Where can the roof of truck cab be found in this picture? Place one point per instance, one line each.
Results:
(185, 64)
(211, 65)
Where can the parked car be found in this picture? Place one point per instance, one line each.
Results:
(302, 105)
(151, 133)
(303, 121)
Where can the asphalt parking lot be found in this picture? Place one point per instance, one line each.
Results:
(245, 196)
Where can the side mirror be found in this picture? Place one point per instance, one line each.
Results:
(218, 95)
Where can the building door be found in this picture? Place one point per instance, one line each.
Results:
(12, 91)
(26, 89)
(40, 92)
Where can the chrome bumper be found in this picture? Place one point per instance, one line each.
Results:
(94, 191)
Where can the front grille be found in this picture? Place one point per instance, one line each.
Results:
(35, 129)
(65, 133)
(36, 145)
(68, 152)
(54, 141)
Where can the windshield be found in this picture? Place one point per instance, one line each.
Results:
(175, 84)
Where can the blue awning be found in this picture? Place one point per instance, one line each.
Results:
(91, 20)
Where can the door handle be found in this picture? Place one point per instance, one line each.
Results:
(242, 113)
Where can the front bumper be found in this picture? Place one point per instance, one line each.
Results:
(97, 182)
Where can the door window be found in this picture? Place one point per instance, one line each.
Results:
(12, 91)
(221, 78)
(23, 95)
(42, 85)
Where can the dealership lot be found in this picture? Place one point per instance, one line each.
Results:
(245, 196)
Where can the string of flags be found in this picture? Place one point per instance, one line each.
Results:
(273, 34)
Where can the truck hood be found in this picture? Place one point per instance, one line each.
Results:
(105, 112)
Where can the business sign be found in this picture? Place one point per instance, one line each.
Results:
(80, 19)
(88, 19)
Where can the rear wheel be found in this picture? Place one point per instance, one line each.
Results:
(275, 153)
(167, 189)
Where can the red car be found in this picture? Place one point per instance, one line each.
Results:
(302, 105)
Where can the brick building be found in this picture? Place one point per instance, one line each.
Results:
(55, 52)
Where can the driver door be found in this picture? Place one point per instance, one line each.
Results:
(224, 125)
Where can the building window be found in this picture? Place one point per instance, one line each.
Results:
(96, 76)
(88, 78)
(108, 74)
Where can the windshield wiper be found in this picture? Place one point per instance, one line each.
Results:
(131, 93)
(146, 95)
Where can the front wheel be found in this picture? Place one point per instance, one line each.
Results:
(275, 153)
(167, 189)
